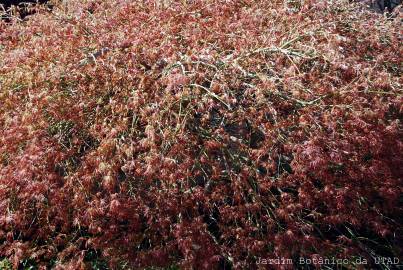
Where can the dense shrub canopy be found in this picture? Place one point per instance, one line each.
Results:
(203, 134)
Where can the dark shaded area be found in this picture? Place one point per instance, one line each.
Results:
(381, 5)
(387, 5)
(8, 3)
(22, 7)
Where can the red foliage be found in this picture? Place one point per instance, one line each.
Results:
(198, 133)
